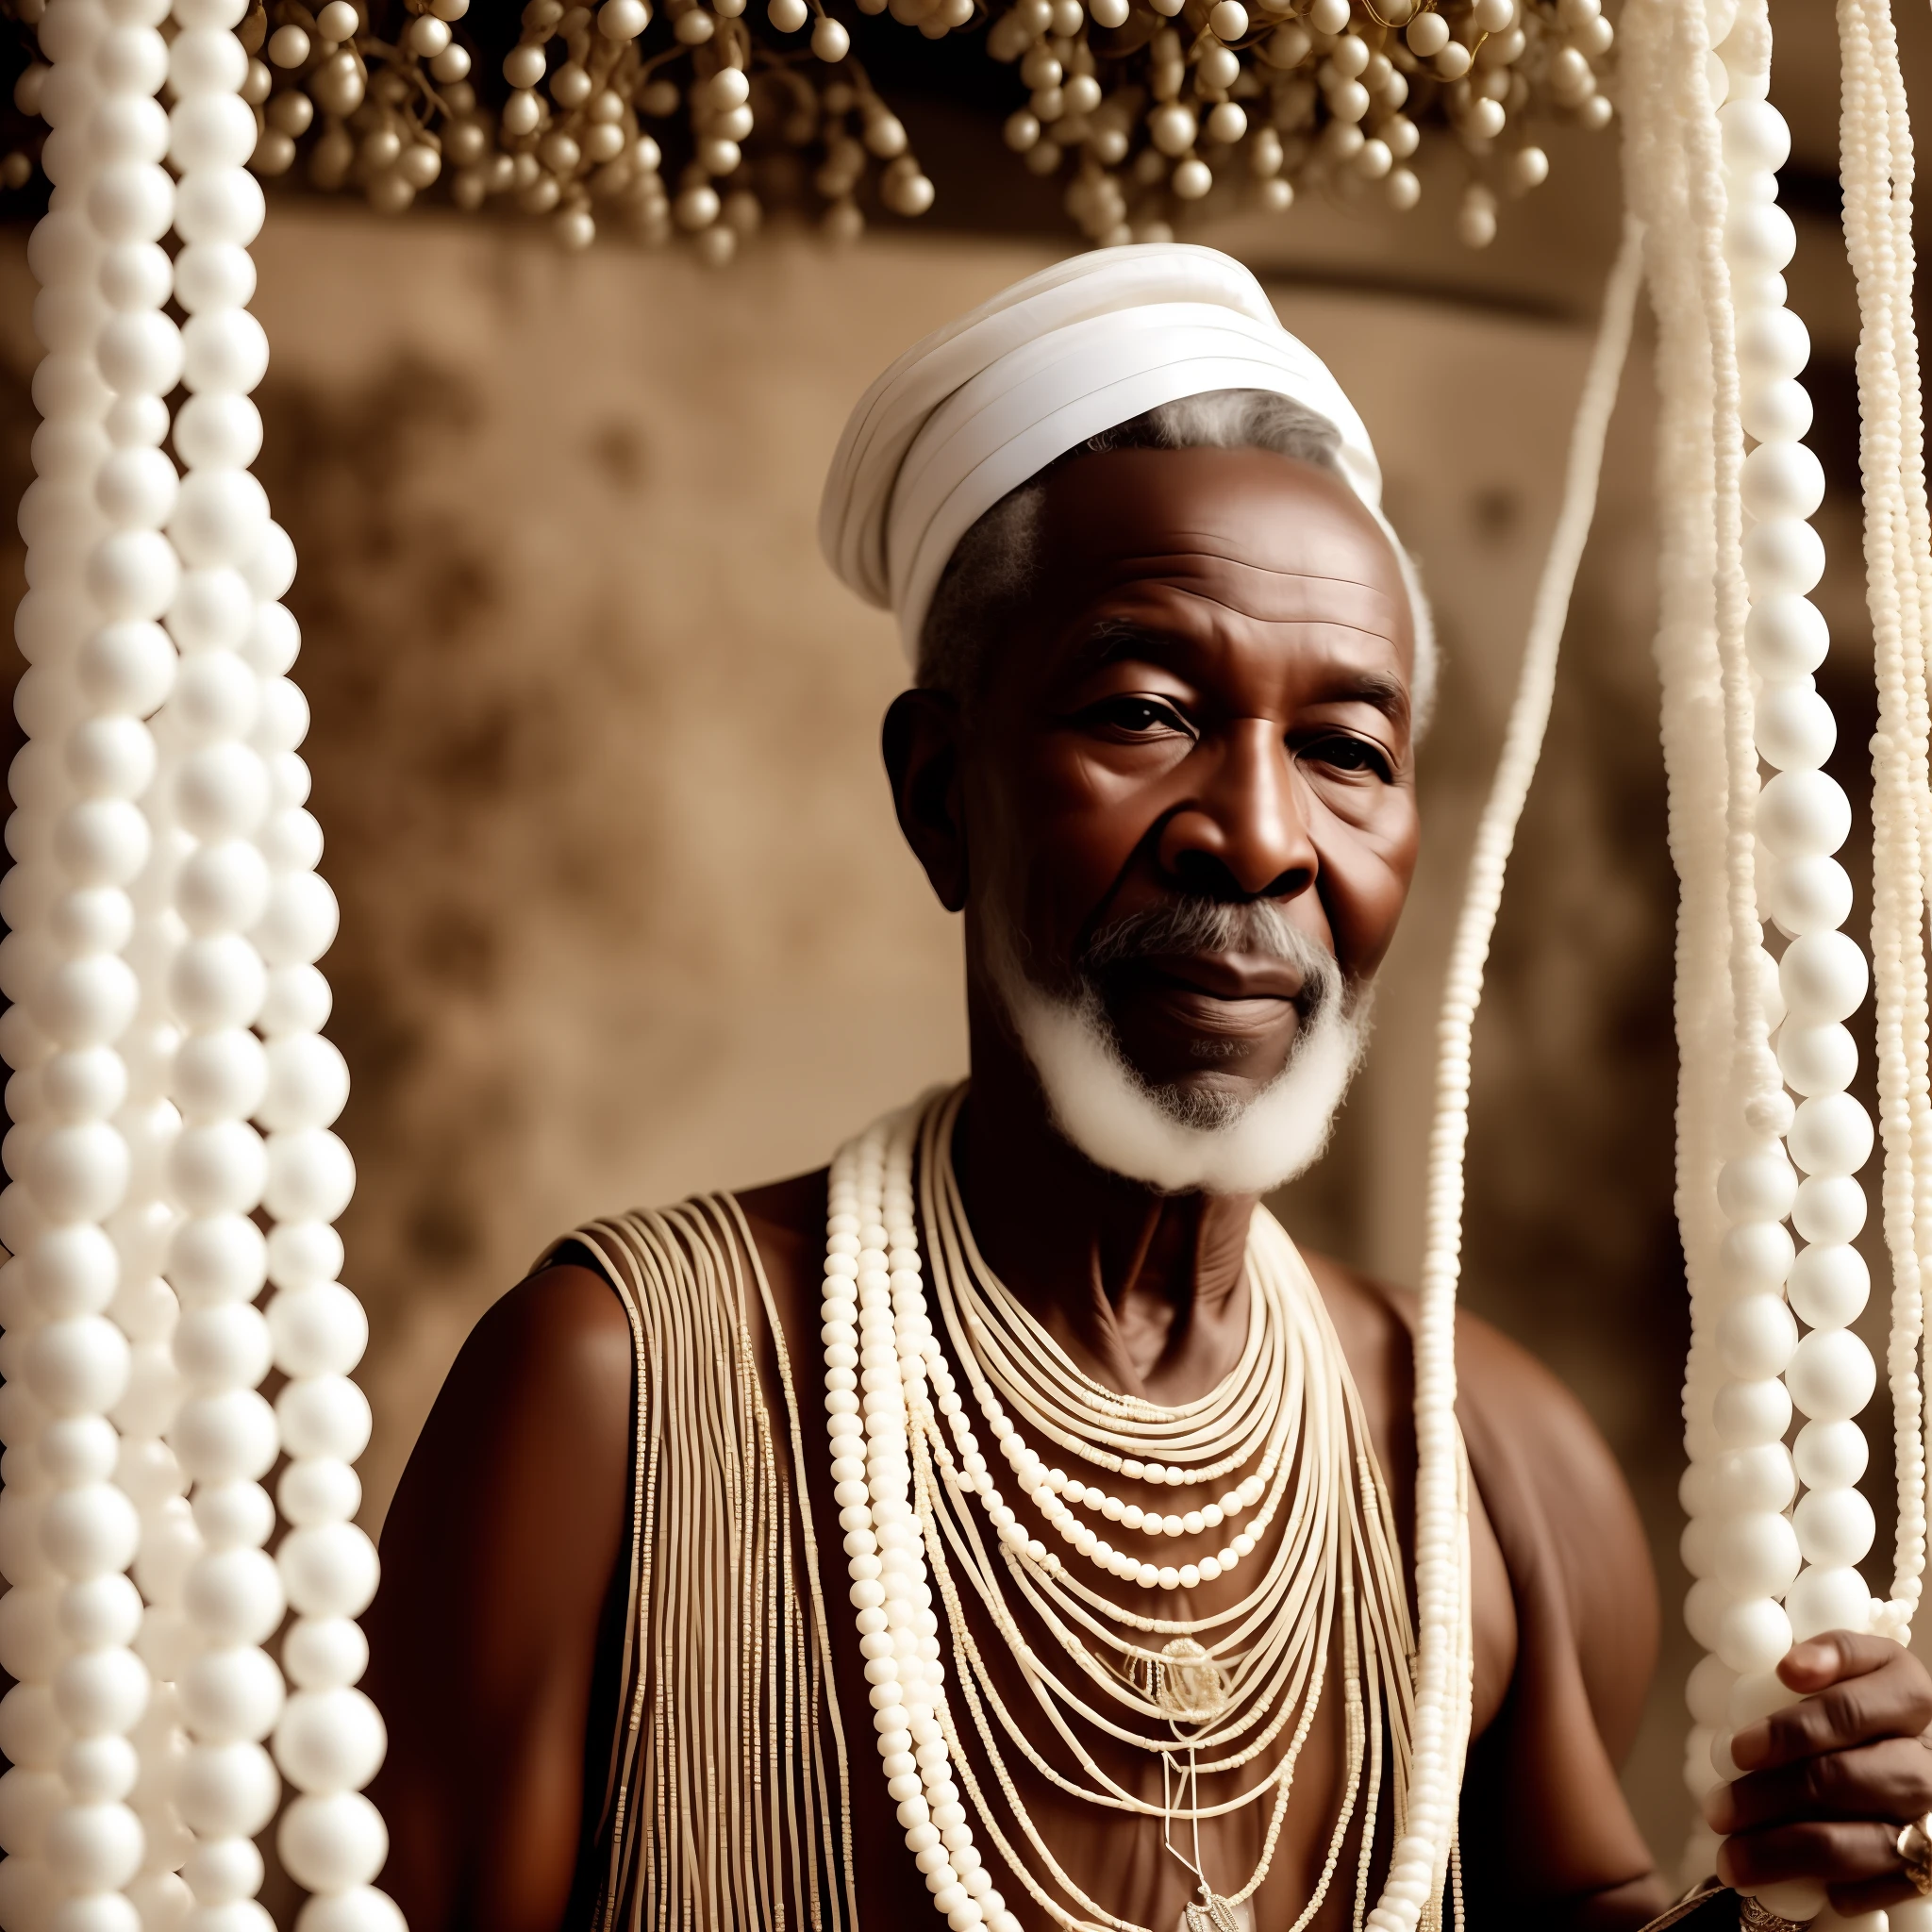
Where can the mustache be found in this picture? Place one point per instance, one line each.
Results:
(1194, 924)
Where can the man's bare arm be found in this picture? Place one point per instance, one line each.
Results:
(498, 1557)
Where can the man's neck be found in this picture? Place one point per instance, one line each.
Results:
(1147, 1290)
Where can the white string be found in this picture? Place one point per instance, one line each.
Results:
(1876, 172)
(1444, 1704)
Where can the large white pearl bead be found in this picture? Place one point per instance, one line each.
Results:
(1823, 975)
(223, 349)
(219, 1075)
(1782, 479)
(1755, 1257)
(227, 1437)
(232, 1693)
(1755, 137)
(1755, 1336)
(94, 1848)
(102, 1692)
(307, 1083)
(1795, 730)
(1829, 1209)
(1774, 345)
(235, 1596)
(361, 1909)
(324, 1652)
(319, 1490)
(331, 1843)
(216, 275)
(1757, 1187)
(318, 1331)
(1831, 1375)
(1754, 1479)
(1830, 1285)
(204, 60)
(1752, 1634)
(331, 1570)
(227, 1790)
(1835, 1527)
(310, 1175)
(1809, 894)
(226, 1872)
(1802, 812)
(1827, 1600)
(1783, 556)
(1832, 1135)
(211, 132)
(1830, 1455)
(330, 1741)
(1757, 1555)
(1747, 1414)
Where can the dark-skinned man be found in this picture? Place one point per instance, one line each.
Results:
(703, 1601)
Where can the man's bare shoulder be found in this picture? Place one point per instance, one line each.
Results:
(555, 1351)
(790, 1212)
(1500, 1384)
(1564, 1518)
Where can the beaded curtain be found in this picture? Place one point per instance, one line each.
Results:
(172, 1093)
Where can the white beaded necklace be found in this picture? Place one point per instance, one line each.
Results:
(926, 1529)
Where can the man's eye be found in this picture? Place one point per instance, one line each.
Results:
(1344, 753)
(1138, 717)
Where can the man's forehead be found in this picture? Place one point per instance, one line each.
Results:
(1262, 536)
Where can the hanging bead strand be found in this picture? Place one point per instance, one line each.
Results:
(231, 1692)
(1877, 169)
(74, 1366)
(330, 1740)
(60, 1274)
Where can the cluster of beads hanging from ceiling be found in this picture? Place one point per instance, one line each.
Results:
(685, 121)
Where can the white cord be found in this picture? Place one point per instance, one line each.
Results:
(1437, 1501)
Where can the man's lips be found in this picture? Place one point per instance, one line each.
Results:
(1223, 975)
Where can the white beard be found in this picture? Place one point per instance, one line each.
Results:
(1122, 1123)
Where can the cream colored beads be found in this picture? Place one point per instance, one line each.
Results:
(1288, 99)
(1705, 148)
(165, 920)
(1220, 101)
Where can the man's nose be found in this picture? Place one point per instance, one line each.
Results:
(1243, 834)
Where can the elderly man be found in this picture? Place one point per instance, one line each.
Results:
(1008, 1526)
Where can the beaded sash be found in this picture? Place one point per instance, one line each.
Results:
(723, 1807)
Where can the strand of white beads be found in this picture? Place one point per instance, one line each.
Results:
(330, 1740)
(1739, 1544)
(231, 1690)
(1877, 170)
(1802, 819)
(75, 1367)
(871, 1263)
(129, 669)
(59, 523)
(1695, 767)
(131, 665)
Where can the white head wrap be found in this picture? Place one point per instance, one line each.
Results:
(988, 402)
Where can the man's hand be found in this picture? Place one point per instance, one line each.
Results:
(1828, 1784)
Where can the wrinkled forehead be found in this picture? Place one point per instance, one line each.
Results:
(1257, 537)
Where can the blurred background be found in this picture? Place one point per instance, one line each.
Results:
(625, 911)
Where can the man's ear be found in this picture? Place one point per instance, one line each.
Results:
(920, 741)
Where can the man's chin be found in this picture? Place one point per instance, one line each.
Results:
(1208, 1129)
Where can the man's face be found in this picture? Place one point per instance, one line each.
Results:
(1208, 699)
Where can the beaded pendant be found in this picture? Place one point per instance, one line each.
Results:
(1216, 1915)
